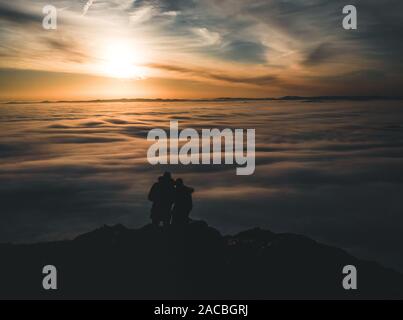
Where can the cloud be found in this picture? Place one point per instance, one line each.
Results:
(18, 15)
(245, 51)
(66, 48)
(209, 37)
(298, 42)
(215, 75)
(77, 139)
(141, 15)
(323, 170)
(167, 5)
(171, 13)
(321, 54)
(87, 6)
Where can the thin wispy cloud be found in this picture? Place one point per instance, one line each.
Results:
(87, 6)
(208, 37)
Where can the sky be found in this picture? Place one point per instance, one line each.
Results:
(198, 49)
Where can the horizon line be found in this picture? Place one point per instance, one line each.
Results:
(282, 98)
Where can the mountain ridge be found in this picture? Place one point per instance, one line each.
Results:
(190, 262)
(220, 99)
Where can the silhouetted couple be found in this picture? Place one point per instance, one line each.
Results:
(172, 201)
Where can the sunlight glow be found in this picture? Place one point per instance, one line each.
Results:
(123, 61)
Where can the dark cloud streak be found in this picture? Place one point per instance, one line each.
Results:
(208, 74)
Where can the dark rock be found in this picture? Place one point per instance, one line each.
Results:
(190, 262)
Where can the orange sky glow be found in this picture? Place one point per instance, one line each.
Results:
(175, 49)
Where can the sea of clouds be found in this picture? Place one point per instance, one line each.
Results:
(328, 170)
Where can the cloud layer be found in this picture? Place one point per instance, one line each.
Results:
(331, 171)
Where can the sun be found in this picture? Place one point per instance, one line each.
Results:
(123, 60)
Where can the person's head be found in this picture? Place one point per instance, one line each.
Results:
(167, 175)
(179, 182)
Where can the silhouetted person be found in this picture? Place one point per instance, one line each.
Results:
(183, 203)
(162, 196)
